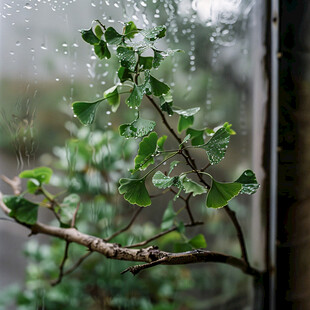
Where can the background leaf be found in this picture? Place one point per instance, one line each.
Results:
(112, 97)
(41, 174)
(134, 191)
(185, 122)
(113, 37)
(198, 242)
(89, 36)
(68, 207)
(196, 136)
(168, 217)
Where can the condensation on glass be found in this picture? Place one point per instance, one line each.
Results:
(44, 62)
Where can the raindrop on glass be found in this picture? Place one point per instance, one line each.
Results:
(27, 6)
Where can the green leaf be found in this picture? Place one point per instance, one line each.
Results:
(192, 187)
(158, 58)
(158, 88)
(135, 98)
(166, 103)
(68, 208)
(101, 50)
(22, 210)
(154, 33)
(89, 36)
(86, 110)
(185, 122)
(249, 182)
(113, 37)
(127, 57)
(198, 242)
(98, 31)
(130, 30)
(33, 186)
(216, 147)
(220, 193)
(112, 97)
(196, 136)
(168, 217)
(134, 191)
(227, 126)
(187, 112)
(147, 148)
(160, 142)
(124, 74)
(146, 62)
(138, 128)
(41, 174)
(186, 138)
(162, 181)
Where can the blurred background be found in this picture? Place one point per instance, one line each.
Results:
(45, 66)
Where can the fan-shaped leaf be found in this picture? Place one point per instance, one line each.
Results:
(138, 128)
(134, 191)
(86, 110)
(249, 182)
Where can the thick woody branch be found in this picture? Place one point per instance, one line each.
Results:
(148, 255)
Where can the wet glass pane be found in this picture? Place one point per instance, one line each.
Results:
(45, 66)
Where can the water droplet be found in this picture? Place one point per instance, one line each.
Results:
(27, 6)
(64, 44)
(18, 43)
(108, 112)
(27, 20)
(57, 79)
(74, 115)
(75, 45)
(43, 47)
(109, 123)
(12, 53)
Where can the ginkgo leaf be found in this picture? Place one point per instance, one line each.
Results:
(158, 88)
(41, 174)
(134, 191)
(86, 110)
(138, 128)
(135, 98)
(147, 148)
(220, 193)
(154, 33)
(127, 57)
(113, 37)
(168, 217)
(198, 242)
(162, 181)
(112, 97)
(191, 186)
(249, 182)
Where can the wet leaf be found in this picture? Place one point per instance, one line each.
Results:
(173, 164)
(134, 191)
(138, 128)
(22, 209)
(168, 217)
(127, 57)
(130, 30)
(124, 74)
(192, 187)
(112, 97)
(89, 37)
(249, 182)
(216, 147)
(86, 110)
(101, 50)
(187, 112)
(166, 103)
(198, 242)
(146, 62)
(135, 98)
(185, 122)
(147, 148)
(158, 58)
(220, 193)
(41, 174)
(113, 37)
(162, 181)
(154, 33)
(158, 88)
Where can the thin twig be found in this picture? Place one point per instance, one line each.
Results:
(126, 227)
(78, 263)
(188, 208)
(205, 167)
(75, 214)
(160, 235)
(61, 267)
(15, 183)
(232, 216)
(136, 269)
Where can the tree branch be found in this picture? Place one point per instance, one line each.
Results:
(147, 255)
